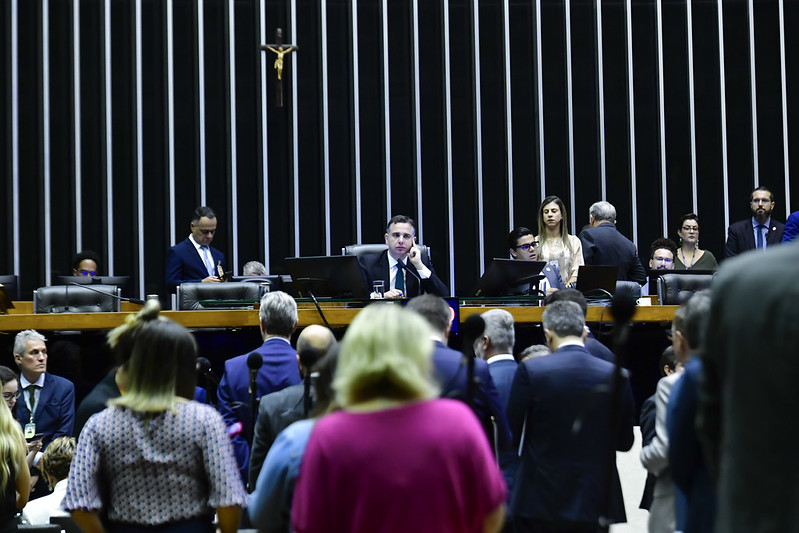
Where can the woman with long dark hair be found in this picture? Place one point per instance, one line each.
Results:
(555, 243)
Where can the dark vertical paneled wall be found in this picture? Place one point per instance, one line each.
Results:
(119, 117)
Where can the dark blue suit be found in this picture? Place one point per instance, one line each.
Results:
(605, 245)
(279, 371)
(741, 236)
(563, 399)
(686, 461)
(791, 231)
(502, 373)
(375, 267)
(183, 263)
(55, 411)
(451, 374)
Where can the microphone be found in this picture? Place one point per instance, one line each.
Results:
(203, 367)
(308, 358)
(120, 298)
(254, 363)
(473, 328)
(404, 267)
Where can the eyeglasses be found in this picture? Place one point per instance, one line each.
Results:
(527, 246)
(88, 273)
(691, 229)
(8, 396)
(663, 260)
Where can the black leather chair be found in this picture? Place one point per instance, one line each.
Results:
(76, 299)
(359, 249)
(66, 523)
(228, 295)
(676, 289)
(11, 285)
(630, 288)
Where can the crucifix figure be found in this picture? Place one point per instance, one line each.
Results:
(280, 50)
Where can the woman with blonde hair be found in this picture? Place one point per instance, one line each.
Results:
(154, 459)
(555, 241)
(15, 478)
(395, 458)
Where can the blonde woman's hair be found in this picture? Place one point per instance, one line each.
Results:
(12, 445)
(57, 458)
(161, 366)
(386, 353)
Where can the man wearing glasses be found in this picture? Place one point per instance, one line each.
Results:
(403, 269)
(523, 246)
(661, 254)
(758, 232)
(194, 259)
(85, 263)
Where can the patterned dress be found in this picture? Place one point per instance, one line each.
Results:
(150, 469)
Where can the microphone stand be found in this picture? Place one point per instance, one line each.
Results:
(623, 308)
(88, 288)
(254, 363)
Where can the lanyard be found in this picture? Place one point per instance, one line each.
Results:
(32, 388)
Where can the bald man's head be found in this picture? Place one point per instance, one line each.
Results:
(317, 338)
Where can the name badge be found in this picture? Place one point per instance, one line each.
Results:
(30, 430)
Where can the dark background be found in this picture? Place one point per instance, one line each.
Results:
(466, 190)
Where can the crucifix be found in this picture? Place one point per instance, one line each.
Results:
(280, 51)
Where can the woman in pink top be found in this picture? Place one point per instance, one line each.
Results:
(395, 458)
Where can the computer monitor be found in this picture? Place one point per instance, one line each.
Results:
(336, 276)
(508, 277)
(597, 280)
(11, 285)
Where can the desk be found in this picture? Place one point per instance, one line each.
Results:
(338, 315)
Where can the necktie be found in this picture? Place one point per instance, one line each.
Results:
(399, 281)
(209, 265)
(32, 399)
(760, 243)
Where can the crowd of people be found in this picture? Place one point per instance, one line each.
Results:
(390, 429)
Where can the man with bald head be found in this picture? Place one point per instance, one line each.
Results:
(280, 409)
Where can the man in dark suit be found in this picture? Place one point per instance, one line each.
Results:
(523, 246)
(402, 268)
(496, 348)
(758, 232)
(278, 410)
(749, 391)
(278, 320)
(594, 347)
(604, 245)
(560, 413)
(451, 373)
(194, 259)
(47, 407)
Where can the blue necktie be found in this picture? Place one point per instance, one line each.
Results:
(209, 265)
(760, 244)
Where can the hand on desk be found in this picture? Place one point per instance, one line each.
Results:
(212, 279)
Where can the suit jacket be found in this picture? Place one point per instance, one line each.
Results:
(279, 371)
(55, 411)
(375, 267)
(791, 231)
(560, 412)
(183, 263)
(604, 245)
(686, 460)
(741, 236)
(647, 421)
(276, 411)
(451, 374)
(502, 373)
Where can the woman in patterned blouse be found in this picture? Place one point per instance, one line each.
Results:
(154, 459)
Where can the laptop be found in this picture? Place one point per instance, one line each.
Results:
(597, 280)
(504, 277)
(334, 276)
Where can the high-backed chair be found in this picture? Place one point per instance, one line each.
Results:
(630, 288)
(676, 289)
(360, 249)
(228, 295)
(76, 299)
(11, 285)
